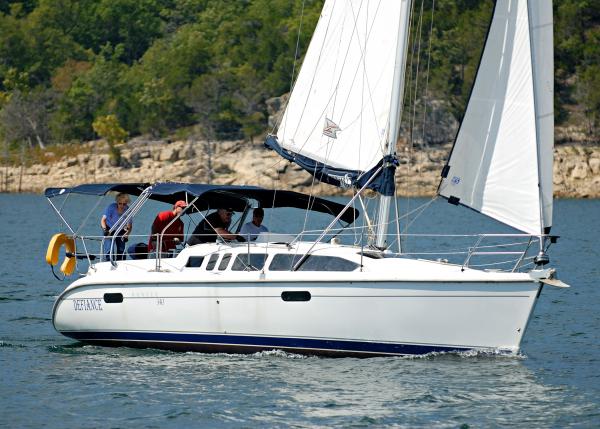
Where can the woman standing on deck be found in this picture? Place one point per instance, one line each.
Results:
(110, 217)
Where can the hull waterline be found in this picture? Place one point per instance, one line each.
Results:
(322, 318)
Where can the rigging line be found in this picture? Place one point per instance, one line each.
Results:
(334, 93)
(334, 96)
(303, 258)
(355, 241)
(397, 222)
(59, 214)
(329, 147)
(411, 98)
(417, 47)
(365, 77)
(427, 72)
(257, 176)
(277, 123)
(362, 92)
(81, 225)
(313, 77)
(417, 52)
(312, 187)
(297, 45)
(421, 209)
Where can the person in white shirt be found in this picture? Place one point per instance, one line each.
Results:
(251, 230)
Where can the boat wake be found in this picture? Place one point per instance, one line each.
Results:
(468, 354)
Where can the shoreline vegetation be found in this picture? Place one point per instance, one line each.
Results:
(145, 90)
(576, 167)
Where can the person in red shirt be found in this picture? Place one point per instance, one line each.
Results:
(173, 234)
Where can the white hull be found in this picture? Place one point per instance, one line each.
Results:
(347, 313)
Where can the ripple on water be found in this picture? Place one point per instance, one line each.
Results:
(31, 319)
(12, 345)
(64, 383)
(10, 298)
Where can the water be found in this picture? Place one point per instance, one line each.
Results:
(52, 381)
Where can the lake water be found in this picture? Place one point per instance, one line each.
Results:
(52, 381)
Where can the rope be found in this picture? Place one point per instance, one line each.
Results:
(427, 73)
(295, 60)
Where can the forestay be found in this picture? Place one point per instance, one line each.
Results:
(338, 112)
(501, 163)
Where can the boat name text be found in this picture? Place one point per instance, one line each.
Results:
(87, 304)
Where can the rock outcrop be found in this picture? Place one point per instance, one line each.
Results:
(576, 168)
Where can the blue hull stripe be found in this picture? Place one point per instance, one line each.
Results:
(251, 344)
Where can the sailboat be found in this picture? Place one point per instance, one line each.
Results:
(321, 296)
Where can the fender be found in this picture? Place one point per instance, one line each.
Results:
(56, 242)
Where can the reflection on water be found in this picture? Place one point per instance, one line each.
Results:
(277, 388)
(52, 381)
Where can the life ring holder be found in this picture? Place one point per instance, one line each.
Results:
(56, 242)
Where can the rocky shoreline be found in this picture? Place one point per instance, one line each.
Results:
(576, 168)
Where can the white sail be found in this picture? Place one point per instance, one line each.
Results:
(501, 163)
(543, 77)
(338, 113)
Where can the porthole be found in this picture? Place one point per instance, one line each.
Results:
(113, 298)
(289, 296)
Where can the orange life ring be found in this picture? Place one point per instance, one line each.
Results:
(56, 242)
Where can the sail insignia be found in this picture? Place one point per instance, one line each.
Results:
(331, 129)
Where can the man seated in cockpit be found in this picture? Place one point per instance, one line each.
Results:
(214, 225)
(251, 230)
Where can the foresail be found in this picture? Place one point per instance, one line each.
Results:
(543, 74)
(501, 162)
(338, 114)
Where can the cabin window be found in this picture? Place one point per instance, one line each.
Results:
(212, 261)
(194, 262)
(224, 261)
(285, 262)
(249, 262)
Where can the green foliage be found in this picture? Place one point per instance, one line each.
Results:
(588, 94)
(160, 65)
(108, 128)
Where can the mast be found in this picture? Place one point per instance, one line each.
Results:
(395, 114)
(541, 41)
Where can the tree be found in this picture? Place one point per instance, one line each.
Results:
(24, 117)
(93, 92)
(108, 128)
(588, 95)
(203, 97)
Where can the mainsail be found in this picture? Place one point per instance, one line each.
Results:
(501, 162)
(336, 123)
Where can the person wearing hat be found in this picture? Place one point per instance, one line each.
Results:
(251, 230)
(213, 226)
(173, 234)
